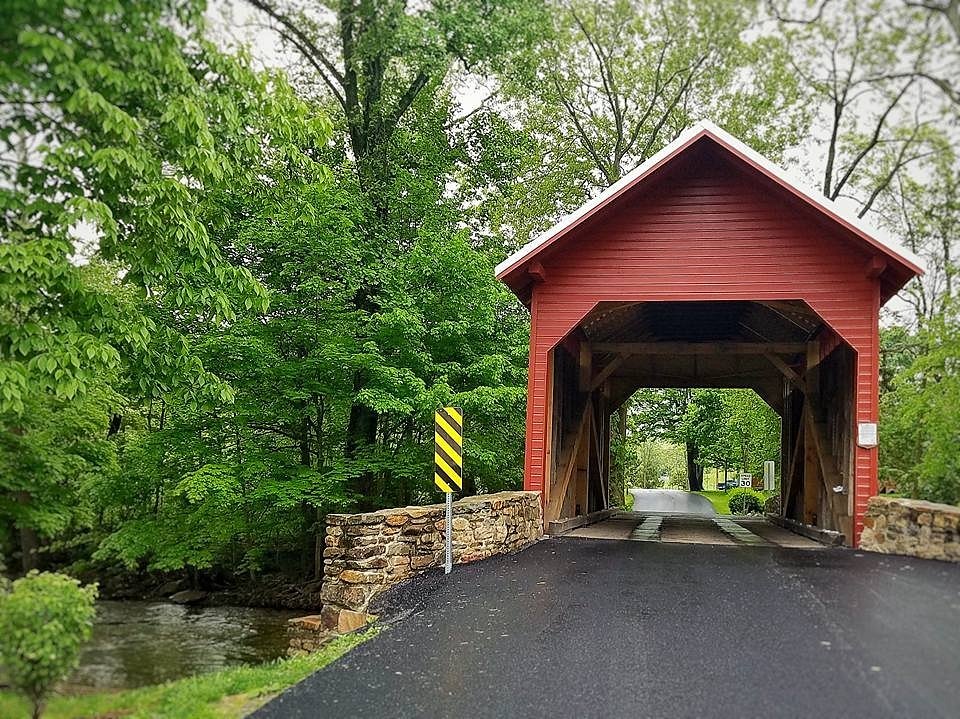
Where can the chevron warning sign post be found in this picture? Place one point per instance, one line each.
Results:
(448, 465)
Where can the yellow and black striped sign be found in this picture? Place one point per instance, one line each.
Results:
(448, 449)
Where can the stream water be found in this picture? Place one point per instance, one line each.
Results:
(139, 643)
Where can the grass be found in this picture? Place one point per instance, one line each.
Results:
(233, 692)
(719, 500)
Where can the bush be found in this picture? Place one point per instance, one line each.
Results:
(745, 501)
(772, 505)
(44, 620)
(918, 444)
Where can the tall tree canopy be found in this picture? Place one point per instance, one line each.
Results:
(610, 83)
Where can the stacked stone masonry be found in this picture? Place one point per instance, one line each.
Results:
(307, 634)
(366, 553)
(912, 527)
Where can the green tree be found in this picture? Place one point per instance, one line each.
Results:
(751, 430)
(919, 419)
(44, 620)
(118, 150)
(383, 68)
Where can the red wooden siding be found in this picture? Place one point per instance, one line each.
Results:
(708, 230)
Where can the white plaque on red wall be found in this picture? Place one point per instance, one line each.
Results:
(867, 434)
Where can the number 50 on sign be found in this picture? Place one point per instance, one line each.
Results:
(448, 449)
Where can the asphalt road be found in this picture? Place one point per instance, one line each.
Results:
(594, 628)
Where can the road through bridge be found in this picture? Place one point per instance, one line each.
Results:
(672, 528)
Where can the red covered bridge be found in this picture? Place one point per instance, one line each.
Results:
(707, 267)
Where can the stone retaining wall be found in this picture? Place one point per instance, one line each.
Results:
(913, 527)
(366, 553)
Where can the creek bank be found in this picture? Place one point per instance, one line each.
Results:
(267, 592)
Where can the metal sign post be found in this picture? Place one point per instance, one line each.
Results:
(448, 561)
(448, 466)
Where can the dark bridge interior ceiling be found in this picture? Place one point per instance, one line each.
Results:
(700, 344)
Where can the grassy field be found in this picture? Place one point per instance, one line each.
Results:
(229, 693)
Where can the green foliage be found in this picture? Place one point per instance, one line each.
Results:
(735, 428)
(121, 151)
(190, 425)
(745, 501)
(44, 620)
(58, 455)
(724, 428)
(919, 419)
(124, 143)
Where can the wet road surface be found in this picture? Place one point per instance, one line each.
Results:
(598, 628)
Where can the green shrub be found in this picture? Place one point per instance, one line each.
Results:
(745, 501)
(919, 417)
(44, 620)
(772, 505)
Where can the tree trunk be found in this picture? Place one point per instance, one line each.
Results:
(29, 541)
(29, 545)
(694, 470)
(361, 435)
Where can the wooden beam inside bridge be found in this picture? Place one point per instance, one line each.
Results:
(700, 348)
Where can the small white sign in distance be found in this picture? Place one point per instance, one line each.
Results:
(867, 434)
(769, 475)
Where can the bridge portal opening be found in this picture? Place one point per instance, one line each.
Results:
(703, 439)
(782, 350)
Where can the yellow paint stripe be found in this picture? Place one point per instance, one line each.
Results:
(452, 411)
(442, 467)
(441, 484)
(453, 475)
(454, 454)
(454, 434)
